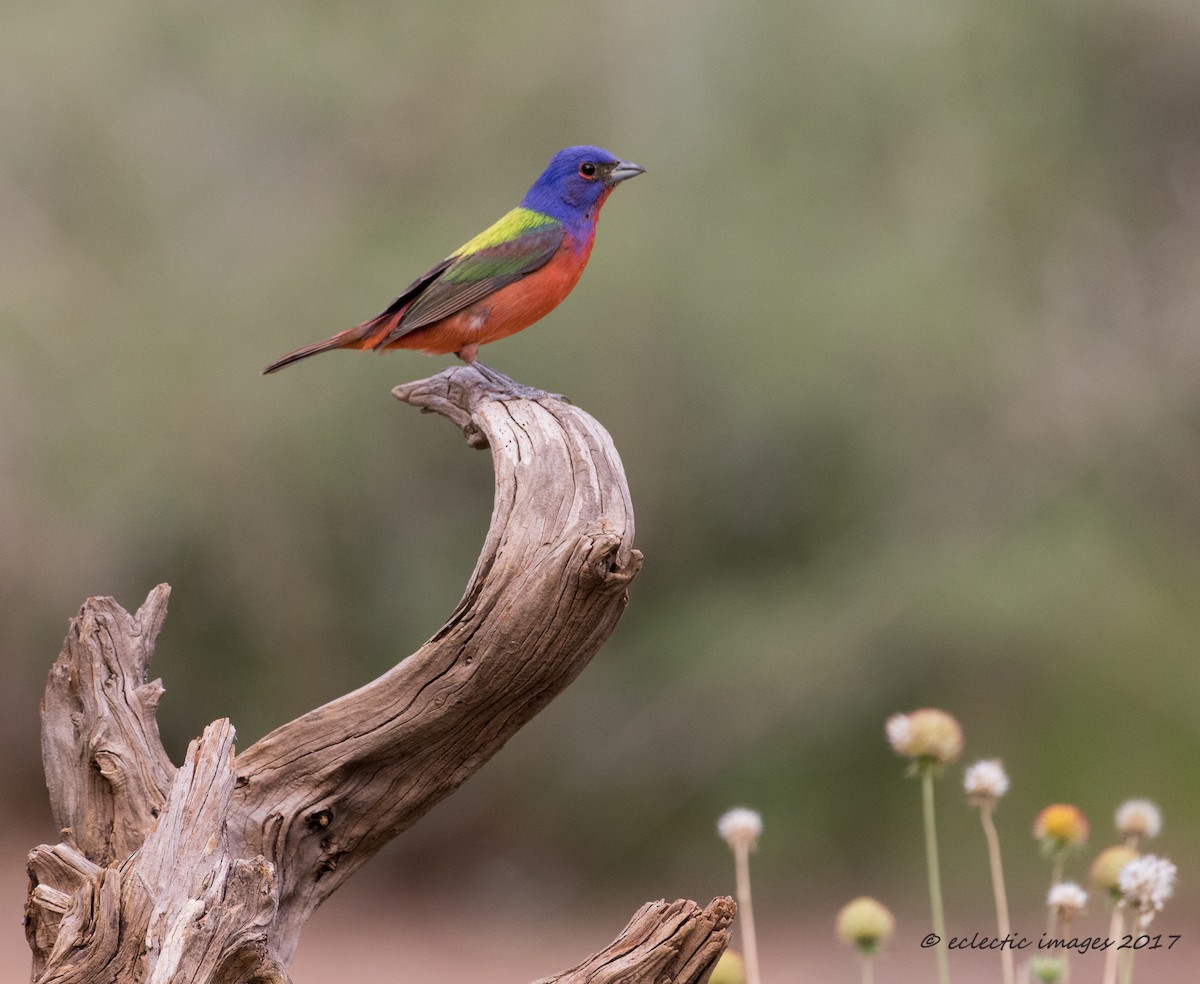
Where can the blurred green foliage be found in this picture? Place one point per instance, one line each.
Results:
(897, 337)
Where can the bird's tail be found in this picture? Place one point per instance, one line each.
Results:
(350, 338)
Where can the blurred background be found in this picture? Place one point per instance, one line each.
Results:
(897, 337)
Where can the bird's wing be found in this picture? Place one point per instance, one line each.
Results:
(518, 244)
(411, 292)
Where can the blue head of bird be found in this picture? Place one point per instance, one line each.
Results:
(577, 181)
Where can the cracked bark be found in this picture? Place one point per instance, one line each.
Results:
(209, 872)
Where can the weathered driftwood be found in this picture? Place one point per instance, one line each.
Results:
(209, 872)
(665, 941)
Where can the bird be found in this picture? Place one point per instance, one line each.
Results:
(503, 280)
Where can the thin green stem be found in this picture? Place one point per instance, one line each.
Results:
(1114, 933)
(935, 878)
(1127, 972)
(1056, 877)
(1002, 922)
(1136, 925)
(1064, 929)
(868, 968)
(741, 863)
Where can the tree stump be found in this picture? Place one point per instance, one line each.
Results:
(206, 874)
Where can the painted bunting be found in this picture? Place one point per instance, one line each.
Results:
(506, 278)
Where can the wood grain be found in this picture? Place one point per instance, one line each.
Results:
(208, 873)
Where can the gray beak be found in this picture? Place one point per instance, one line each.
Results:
(623, 170)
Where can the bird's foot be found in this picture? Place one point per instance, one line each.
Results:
(510, 386)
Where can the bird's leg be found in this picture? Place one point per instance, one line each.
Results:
(495, 375)
(507, 383)
(510, 385)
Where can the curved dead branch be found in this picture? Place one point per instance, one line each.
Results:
(677, 942)
(208, 873)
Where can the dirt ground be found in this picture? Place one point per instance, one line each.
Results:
(373, 936)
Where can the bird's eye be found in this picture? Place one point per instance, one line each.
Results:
(587, 169)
